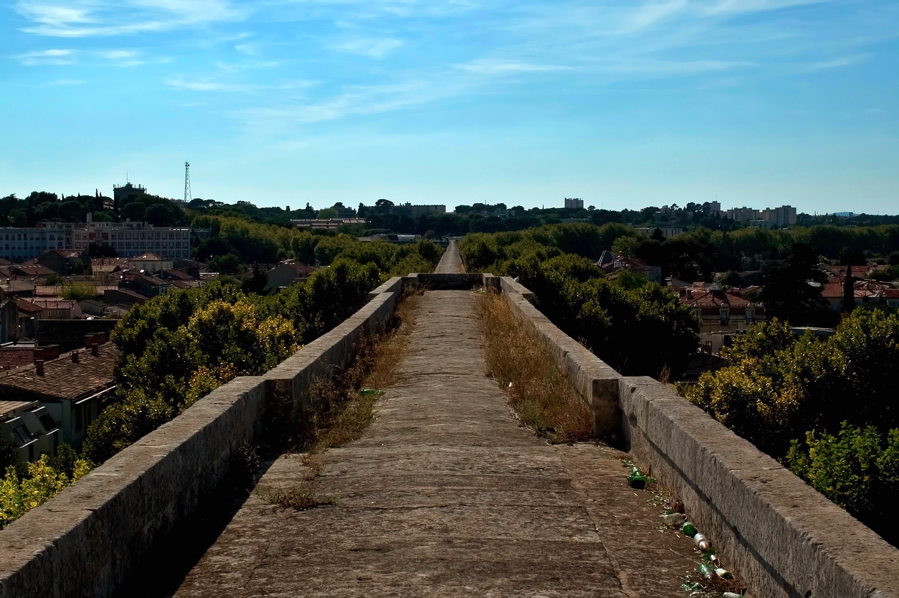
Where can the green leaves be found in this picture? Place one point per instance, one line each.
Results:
(19, 495)
(858, 469)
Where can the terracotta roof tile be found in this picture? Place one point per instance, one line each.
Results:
(64, 378)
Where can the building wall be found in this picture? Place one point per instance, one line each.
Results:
(19, 244)
(131, 239)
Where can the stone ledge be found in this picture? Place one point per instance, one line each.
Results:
(781, 536)
(83, 541)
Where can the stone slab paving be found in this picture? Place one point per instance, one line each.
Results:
(450, 261)
(446, 495)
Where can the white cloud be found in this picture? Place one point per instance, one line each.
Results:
(66, 82)
(209, 84)
(373, 48)
(47, 57)
(118, 54)
(652, 13)
(204, 85)
(837, 63)
(746, 6)
(358, 100)
(673, 67)
(489, 66)
(95, 18)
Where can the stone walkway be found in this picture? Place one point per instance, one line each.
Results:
(445, 495)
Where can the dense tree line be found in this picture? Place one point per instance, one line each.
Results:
(245, 242)
(828, 407)
(613, 318)
(176, 348)
(41, 206)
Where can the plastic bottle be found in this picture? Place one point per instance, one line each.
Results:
(673, 518)
(702, 543)
(731, 595)
(705, 571)
(723, 573)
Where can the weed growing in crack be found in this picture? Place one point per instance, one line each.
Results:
(299, 498)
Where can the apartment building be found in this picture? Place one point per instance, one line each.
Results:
(19, 244)
(131, 239)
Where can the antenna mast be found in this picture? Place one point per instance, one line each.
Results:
(187, 196)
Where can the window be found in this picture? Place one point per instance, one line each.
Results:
(22, 435)
(47, 422)
(725, 315)
(79, 417)
(750, 314)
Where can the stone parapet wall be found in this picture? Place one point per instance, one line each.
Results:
(84, 541)
(780, 536)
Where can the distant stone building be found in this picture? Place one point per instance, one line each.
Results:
(64, 262)
(287, 273)
(782, 216)
(719, 310)
(742, 214)
(30, 428)
(667, 231)
(71, 387)
(20, 244)
(121, 192)
(417, 211)
(150, 262)
(131, 239)
(325, 223)
(574, 203)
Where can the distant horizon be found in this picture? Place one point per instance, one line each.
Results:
(450, 208)
(624, 104)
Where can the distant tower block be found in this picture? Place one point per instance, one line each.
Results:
(574, 203)
(187, 196)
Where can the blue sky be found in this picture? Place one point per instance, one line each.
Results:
(622, 102)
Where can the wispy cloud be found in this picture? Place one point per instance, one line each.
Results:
(211, 84)
(96, 18)
(47, 57)
(748, 6)
(651, 13)
(59, 82)
(205, 85)
(238, 67)
(60, 57)
(489, 66)
(373, 48)
(355, 101)
(838, 62)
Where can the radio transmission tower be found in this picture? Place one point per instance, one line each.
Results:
(187, 196)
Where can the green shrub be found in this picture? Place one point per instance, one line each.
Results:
(858, 469)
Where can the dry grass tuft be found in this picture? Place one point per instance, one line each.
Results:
(300, 498)
(346, 403)
(538, 390)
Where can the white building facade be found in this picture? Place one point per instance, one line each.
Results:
(18, 244)
(131, 239)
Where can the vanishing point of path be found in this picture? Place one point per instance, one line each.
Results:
(445, 495)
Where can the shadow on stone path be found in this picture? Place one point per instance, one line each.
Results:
(445, 495)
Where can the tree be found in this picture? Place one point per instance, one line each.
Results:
(792, 289)
(730, 279)
(226, 264)
(383, 206)
(135, 211)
